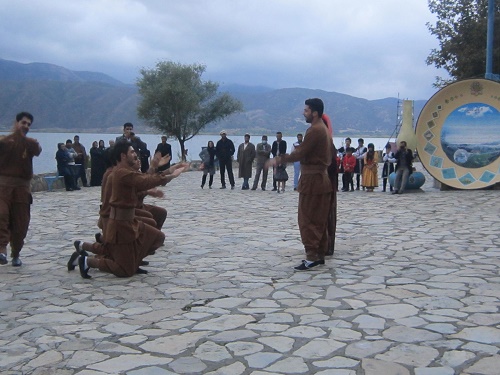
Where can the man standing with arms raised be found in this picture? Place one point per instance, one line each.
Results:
(16, 171)
(315, 155)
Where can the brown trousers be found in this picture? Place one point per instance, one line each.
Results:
(313, 220)
(159, 214)
(122, 260)
(15, 204)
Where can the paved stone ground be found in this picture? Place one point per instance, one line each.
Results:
(413, 288)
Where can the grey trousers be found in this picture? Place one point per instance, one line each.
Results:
(402, 175)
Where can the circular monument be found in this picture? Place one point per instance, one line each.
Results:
(458, 134)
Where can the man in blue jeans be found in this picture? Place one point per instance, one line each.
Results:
(296, 164)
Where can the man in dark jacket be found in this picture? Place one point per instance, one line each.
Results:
(224, 150)
(80, 160)
(404, 167)
(164, 148)
(141, 148)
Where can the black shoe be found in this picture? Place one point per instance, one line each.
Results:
(232, 187)
(202, 186)
(222, 187)
(322, 261)
(304, 266)
(395, 192)
(77, 188)
(254, 188)
(144, 263)
(70, 189)
(16, 262)
(84, 272)
(263, 189)
(3, 259)
(140, 271)
(72, 259)
(76, 244)
(209, 186)
(274, 189)
(98, 238)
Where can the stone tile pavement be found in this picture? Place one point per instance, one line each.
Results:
(413, 288)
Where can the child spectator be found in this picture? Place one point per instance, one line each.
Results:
(388, 168)
(281, 177)
(348, 164)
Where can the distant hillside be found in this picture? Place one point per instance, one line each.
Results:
(65, 100)
(15, 71)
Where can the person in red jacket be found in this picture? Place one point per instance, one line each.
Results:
(348, 163)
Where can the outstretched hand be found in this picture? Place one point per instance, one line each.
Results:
(182, 166)
(176, 172)
(157, 193)
(159, 161)
(271, 162)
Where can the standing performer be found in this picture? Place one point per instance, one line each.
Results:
(333, 175)
(16, 170)
(315, 188)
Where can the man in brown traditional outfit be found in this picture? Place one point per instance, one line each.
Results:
(127, 240)
(315, 155)
(16, 171)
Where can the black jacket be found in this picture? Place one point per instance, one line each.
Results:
(408, 154)
(224, 149)
(282, 148)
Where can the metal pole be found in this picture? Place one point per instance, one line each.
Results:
(489, 41)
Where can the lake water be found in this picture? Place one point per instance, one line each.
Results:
(46, 162)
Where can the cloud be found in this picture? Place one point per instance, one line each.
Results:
(363, 48)
(475, 112)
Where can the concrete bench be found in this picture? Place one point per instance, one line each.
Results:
(51, 180)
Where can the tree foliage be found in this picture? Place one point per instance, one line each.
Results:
(178, 103)
(461, 30)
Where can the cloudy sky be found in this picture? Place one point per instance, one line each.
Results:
(365, 48)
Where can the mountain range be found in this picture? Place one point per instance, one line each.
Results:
(63, 100)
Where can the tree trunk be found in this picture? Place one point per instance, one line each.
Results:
(183, 151)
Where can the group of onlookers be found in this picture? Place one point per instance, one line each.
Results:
(72, 158)
(223, 152)
(363, 162)
(71, 161)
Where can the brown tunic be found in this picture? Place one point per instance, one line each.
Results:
(128, 239)
(16, 171)
(315, 188)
